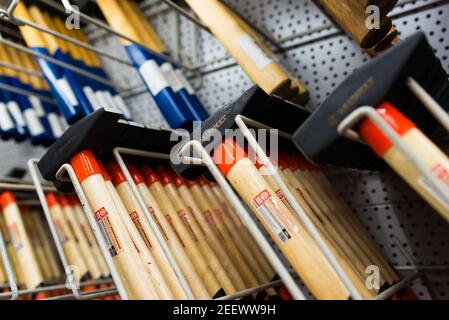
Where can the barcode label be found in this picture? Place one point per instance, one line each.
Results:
(430, 189)
(112, 242)
(263, 203)
(183, 215)
(156, 219)
(136, 219)
(170, 222)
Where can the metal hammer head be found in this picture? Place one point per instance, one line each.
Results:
(383, 79)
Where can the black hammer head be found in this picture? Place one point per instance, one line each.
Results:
(254, 104)
(100, 132)
(380, 80)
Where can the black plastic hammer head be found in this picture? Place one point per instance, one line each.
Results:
(383, 79)
(100, 132)
(254, 104)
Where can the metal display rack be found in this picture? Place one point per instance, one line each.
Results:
(412, 235)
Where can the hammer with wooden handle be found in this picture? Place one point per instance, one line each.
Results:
(181, 227)
(137, 216)
(291, 237)
(31, 275)
(213, 238)
(261, 68)
(88, 233)
(123, 251)
(203, 245)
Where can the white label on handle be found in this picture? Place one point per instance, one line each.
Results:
(90, 94)
(64, 123)
(430, 189)
(6, 122)
(16, 113)
(111, 102)
(102, 102)
(121, 104)
(153, 77)
(33, 122)
(186, 84)
(36, 103)
(55, 124)
(171, 76)
(263, 203)
(66, 91)
(252, 50)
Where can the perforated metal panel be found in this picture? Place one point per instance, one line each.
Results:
(321, 55)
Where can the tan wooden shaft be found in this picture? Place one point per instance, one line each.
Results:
(176, 247)
(27, 261)
(351, 221)
(145, 255)
(219, 228)
(136, 280)
(203, 245)
(244, 233)
(3, 278)
(298, 92)
(327, 226)
(238, 239)
(137, 216)
(435, 161)
(185, 235)
(90, 237)
(48, 249)
(352, 17)
(346, 217)
(37, 246)
(339, 250)
(260, 68)
(213, 239)
(68, 241)
(9, 247)
(83, 244)
(294, 241)
(345, 229)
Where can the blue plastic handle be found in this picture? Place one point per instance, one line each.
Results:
(71, 111)
(75, 80)
(183, 90)
(172, 108)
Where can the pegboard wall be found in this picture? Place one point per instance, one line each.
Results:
(320, 55)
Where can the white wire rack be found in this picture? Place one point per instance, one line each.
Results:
(321, 55)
